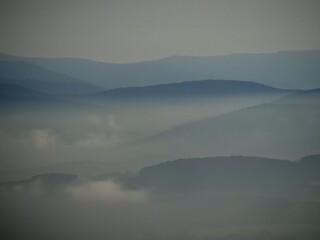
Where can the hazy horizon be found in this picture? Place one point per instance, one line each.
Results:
(135, 31)
(160, 58)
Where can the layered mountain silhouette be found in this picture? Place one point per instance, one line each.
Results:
(191, 89)
(85, 145)
(38, 78)
(184, 92)
(9, 89)
(310, 97)
(285, 69)
(275, 130)
(14, 97)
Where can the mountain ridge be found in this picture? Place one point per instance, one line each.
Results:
(39, 78)
(202, 88)
(251, 130)
(284, 69)
(258, 175)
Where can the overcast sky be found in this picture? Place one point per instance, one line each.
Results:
(138, 30)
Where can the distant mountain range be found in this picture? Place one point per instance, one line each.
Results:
(191, 89)
(309, 97)
(188, 91)
(285, 130)
(13, 97)
(9, 89)
(38, 78)
(286, 69)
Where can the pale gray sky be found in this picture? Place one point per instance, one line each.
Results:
(137, 30)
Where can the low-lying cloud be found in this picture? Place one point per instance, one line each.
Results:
(43, 138)
(106, 191)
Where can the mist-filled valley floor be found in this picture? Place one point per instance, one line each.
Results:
(197, 159)
(89, 135)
